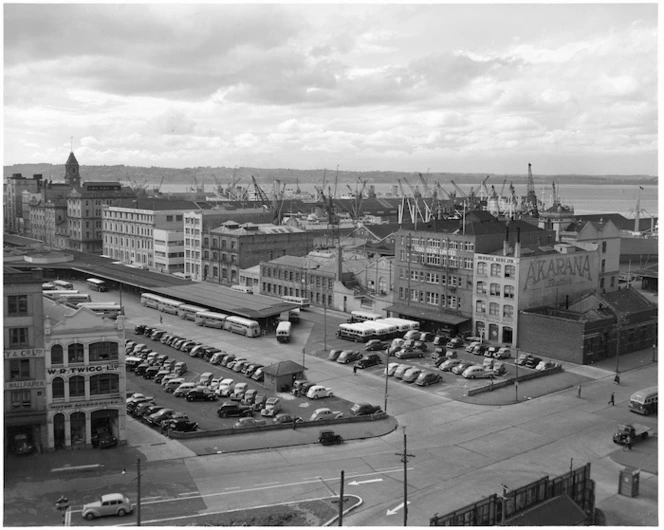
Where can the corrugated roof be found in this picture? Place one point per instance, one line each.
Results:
(284, 368)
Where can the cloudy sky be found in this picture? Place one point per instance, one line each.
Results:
(454, 88)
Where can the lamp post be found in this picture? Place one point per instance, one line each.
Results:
(62, 505)
(138, 490)
(324, 325)
(516, 377)
(387, 365)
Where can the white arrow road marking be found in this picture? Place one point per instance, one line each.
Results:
(395, 509)
(356, 483)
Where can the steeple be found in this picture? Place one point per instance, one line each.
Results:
(72, 175)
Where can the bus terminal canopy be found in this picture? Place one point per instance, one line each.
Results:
(226, 300)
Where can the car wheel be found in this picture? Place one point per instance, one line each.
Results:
(315, 396)
(122, 512)
(89, 516)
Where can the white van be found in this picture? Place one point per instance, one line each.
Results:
(242, 289)
(284, 331)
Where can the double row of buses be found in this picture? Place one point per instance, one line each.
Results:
(201, 316)
(380, 328)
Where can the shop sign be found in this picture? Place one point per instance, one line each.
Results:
(84, 369)
(496, 259)
(30, 352)
(15, 385)
(558, 271)
(84, 405)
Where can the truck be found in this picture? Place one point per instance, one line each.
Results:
(629, 433)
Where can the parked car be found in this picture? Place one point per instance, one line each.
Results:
(448, 364)
(461, 367)
(545, 365)
(148, 411)
(415, 345)
(329, 438)
(411, 375)
(489, 352)
(523, 358)
(197, 351)
(319, 391)
(172, 383)
(301, 387)
(233, 409)
(395, 346)
(272, 407)
(165, 338)
(105, 440)
(286, 418)
(208, 352)
(440, 340)
(181, 425)
(238, 366)
(140, 369)
(409, 354)
(334, 355)
(477, 372)
(259, 402)
(471, 346)
(157, 334)
(225, 387)
(392, 367)
(532, 362)
(201, 394)
(151, 372)
(375, 345)
(141, 408)
(205, 378)
(251, 369)
(159, 416)
(258, 375)
(401, 370)
(371, 359)
(180, 368)
(109, 504)
(428, 378)
(364, 409)
(249, 396)
(488, 363)
(412, 334)
(139, 329)
(245, 423)
(229, 357)
(238, 391)
(499, 368)
(427, 336)
(326, 414)
(183, 389)
(503, 353)
(456, 342)
(349, 356)
(216, 358)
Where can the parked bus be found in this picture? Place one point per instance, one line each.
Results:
(48, 286)
(242, 326)
(75, 298)
(210, 319)
(188, 311)
(644, 401)
(402, 324)
(284, 331)
(357, 332)
(302, 302)
(168, 305)
(55, 295)
(109, 310)
(63, 285)
(242, 289)
(384, 330)
(363, 316)
(150, 300)
(96, 285)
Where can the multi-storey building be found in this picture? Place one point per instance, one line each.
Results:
(434, 267)
(169, 250)
(13, 210)
(85, 375)
(24, 368)
(128, 228)
(231, 247)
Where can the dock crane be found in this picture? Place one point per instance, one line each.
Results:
(336, 181)
(414, 191)
(425, 187)
(459, 190)
(261, 195)
(502, 188)
(484, 191)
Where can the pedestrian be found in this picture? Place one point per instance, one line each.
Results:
(355, 369)
(294, 423)
(161, 319)
(616, 379)
(578, 391)
(612, 401)
(629, 442)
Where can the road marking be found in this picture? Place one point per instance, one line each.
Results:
(76, 468)
(150, 498)
(357, 483)
(188, 493)
(395, 509)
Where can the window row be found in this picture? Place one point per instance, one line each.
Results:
(430, 298)
(438, 260)
(127, 242)
(225, 243)
(496, 269)
(431, 277)
(130, 216)
(97, 384)
(494, 309)
(97, 351)
(494, 289)
(273, 288)
(436, 243)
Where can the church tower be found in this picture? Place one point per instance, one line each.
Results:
(72, 175)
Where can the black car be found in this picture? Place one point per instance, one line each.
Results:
(201, 394)
(363, 409)
(158, 417)
(139, 329)
(329, 438)
(148, 411)
(375, 345)
(151, 372)
(140, 369)
(230, 409)
(106, 440)
(532, 362)
(208, 352)
(181, 425)
(369, 360)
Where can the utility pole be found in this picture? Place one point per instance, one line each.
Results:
(138, 492)
(325, 325)
(387, 365)
(516, 377)
(404, 459)
(618, 347)
(341, 500)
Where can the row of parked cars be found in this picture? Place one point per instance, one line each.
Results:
(413, 374)
(146, 409)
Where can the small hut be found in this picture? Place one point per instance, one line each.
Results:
(280, 376)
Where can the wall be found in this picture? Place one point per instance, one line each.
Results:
(552, 337)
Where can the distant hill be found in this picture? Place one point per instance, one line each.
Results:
(206, 176)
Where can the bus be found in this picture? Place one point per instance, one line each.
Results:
(644, 401)
(96, 285)
(188, 311)
(55, 295)
(108, 310)
(210, 319)
(150, 300)
(384, 330)
(161, 303)
(75, 298)
(302, 302)
(363, 316)
(48, 286)
(242, 326)
(284, 331)
(402, 324)
(357, 332)
(63, 285)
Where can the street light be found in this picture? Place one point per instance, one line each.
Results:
(138, 490)
(62, 505)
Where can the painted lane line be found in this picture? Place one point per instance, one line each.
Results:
(357, 483)
(188, 493)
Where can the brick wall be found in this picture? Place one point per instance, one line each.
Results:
(552, 337)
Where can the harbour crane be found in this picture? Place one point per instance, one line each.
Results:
(414, 191)
(484, 188)
(502, 188)
(336, 181)
(459, 190)
(261, 195)
(425, 187)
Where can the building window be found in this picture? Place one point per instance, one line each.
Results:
(603, 247)
(21, 398)
(104, 384)
(481, 287)
(17, 305)
(77, 386)
(453, 302)
(58, 386)
(494, 309)
(509, 271)
(509, 291)
(206, 242)
(601, 283)
(57, 354)
(494, 289)
(215, 272)
(75, 353)
(480, 306)
(481, 267)
(18, 336)
(19, 369)
(495, 269)
(103, 351)
(603, 267)
(508, 312)
(169, 218)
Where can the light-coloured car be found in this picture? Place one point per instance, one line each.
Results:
(272, 407)
(239, 389)
(411, 375)
(461, 367)
(245, 423)
(182, 390)
(398, 373)
(447, 365)
(319, 391)
(503, 353)
(409, 354)
(471, 346)
(109, 504)
(476, 372)
(169, 384)
(225, 387)
(391, 367)
(326, 414)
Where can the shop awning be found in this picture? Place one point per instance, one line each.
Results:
(427, 314)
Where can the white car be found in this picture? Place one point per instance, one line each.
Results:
(503, 353)
(239, 390)
(109, 504)
(319, 391)
(477, 372)
(225, 387)
(326, 414)
(272, 407)
(471, 346)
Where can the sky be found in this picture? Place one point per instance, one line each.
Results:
(487, 88)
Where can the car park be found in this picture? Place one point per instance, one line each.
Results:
(319, 391)
(172, 383)
(326, 414)
(364, 409)
(348, 356)
(392, 367)
(181, 425)
(334, 355)
(428, 378)
(409, 354)
(233, 409)
(272, 407)
(476, 372)
(461, 367)
(286, 418)
(401, 370)
(183, 389)
(456, 342)
(109, 504)
(367, 360)
(503, 353)
(201, 394)
(225, 387)
(411, 375)
(246, 423)
(375, 345)
(448, 364)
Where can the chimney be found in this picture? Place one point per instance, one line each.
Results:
(517, 246)
(506, 245)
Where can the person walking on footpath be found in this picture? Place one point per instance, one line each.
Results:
(612, 401)
(578, 391)
(355, 369)
(616, 379)
(161, 319)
